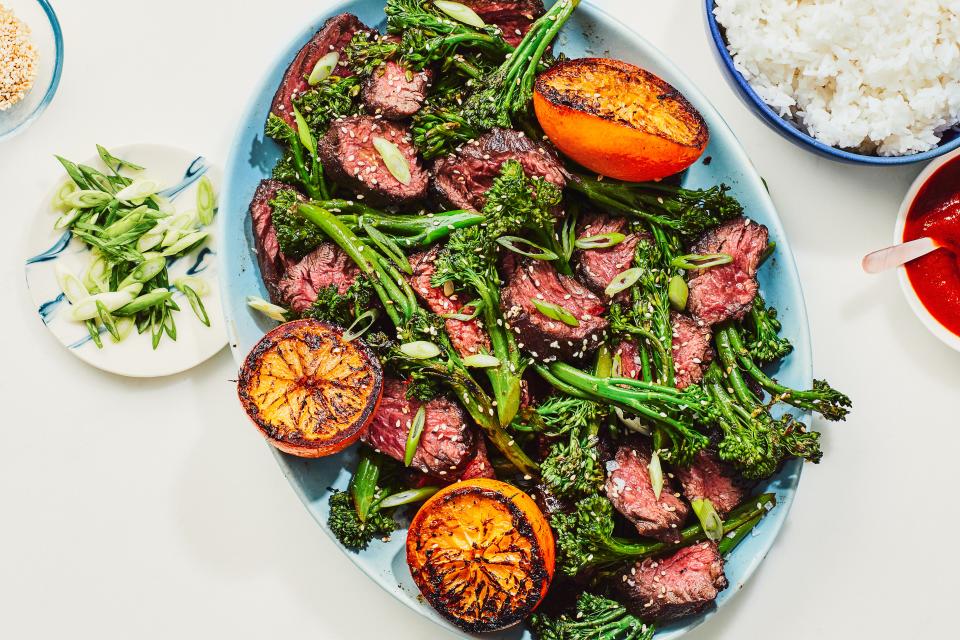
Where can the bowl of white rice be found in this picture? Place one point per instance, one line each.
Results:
(862, 81)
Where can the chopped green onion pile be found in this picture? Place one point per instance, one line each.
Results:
(132, 232)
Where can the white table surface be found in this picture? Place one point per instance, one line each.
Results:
(152, 509)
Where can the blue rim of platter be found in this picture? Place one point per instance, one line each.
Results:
(311, 480)
(57, 71)
(790, 131)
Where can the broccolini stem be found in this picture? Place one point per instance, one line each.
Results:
(397, 296)
(823, 399)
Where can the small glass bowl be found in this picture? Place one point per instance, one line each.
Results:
(39, 16)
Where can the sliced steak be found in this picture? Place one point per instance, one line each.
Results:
(629, 355)
(629, 489)
(514, 17)
(348, 155)
(692, 349)
(597, 268)
(727, 292)
(273, 263)
(333, 36)
(461, 180)
(545, 338)
(325, 266)
(683, 584)
(466, 335)
(390, 92)
(447, 443)
(478, 465)
(712, 479)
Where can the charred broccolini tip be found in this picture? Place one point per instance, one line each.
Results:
(677, 413)
(500, 96)
(688, 212)
(421, 35)
(299, 165)
(572, 468)
(594, 618)
(341, 308)
(585, 537)
(822, 398)
(763, 334)
(753, 441)
(515, 204)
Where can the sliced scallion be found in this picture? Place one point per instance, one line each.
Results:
(656, 474)
(420, 350)
(324, 67)
(460, 13)
(145, 271)
(698, 262)
(87, 199)
(70, 284)
(710, 520)
(303, 131)
(600, 241)
(124, 328)
(361, 325)
(413, 436)
(678, 292)
(623, 281)
(538, 253)
(206, 200)
(408, 496)
(195, 302)
(59, 198)
(272, 311)
(393, 159)
(155, 298)
(475, 306)
(481, 361)
(197, 284)
(66, 219)
(555, 312)
(86, 309)
(138, 190)
(186, 242)
(107, 321)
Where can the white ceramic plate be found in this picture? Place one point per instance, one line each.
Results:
(931, 323)
(177, 170)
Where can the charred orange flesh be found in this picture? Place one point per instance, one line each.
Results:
(618, 119)
(309, 391)
(482, 554)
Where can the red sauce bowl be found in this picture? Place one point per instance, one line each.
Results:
(931, 283)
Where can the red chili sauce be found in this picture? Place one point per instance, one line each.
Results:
(935, 213)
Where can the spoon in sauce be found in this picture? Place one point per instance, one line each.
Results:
(898, 254)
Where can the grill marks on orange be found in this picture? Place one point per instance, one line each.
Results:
(618, 120)
(309, 391)
(481, 554)
(634, 97)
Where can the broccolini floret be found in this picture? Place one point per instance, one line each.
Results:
(594, 618)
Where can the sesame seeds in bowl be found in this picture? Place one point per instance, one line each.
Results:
(31, 60)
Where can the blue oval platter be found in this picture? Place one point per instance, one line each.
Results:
(590, 32)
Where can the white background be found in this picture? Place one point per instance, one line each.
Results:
(152, 509)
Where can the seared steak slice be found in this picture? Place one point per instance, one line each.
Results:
(478, 465)
(349, 157)
(596, 268)
(334, 35)
(543, 337)
(711, 479)
(629, 489)
(630, 365)
(446, 444)
(325, 266)
(461, 180)
(390, 93)
(692, 349)
(273, 263)
(514, 17)
(683, 584)
(466, 335)
(727, 292)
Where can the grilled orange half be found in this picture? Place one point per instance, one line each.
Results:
(618, 120)
(310, 392)
(482, 554)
